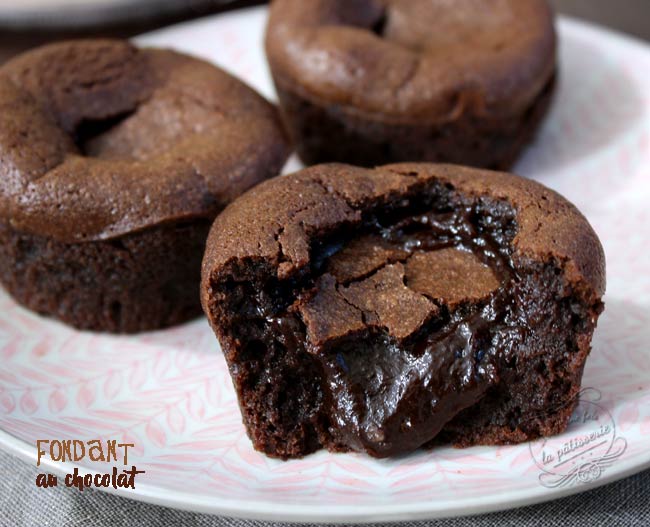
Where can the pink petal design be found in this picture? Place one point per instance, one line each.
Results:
(202, 445)
(57, 401)
(156, 433)
(116, 416)
(138, 375)
(161, 364)
(208, 432)
(7, 403)
(86, 395)
(9, 350)
(212, 391)
(43, 347)
(645, 426)
(183, 458)
(6, 376)
(28, 403)
(628, 417)
(34, 374)
(524, 458)
(112, 384)
(86, 423)
(354, 467)
(129, 438)
(195, 406)
(175, 420)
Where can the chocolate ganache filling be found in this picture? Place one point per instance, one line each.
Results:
(399, 324)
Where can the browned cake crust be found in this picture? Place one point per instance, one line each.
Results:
(377, 81)
(382, 310)
(138, 281)
(113, 161)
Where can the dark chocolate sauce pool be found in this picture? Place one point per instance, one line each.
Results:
(385, 397)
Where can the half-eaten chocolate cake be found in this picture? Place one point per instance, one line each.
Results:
(382, 310)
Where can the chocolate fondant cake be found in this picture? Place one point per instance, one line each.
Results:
(377, 81)
(382, 310)
(114, 161)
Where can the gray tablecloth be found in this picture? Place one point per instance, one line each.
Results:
(626, 502)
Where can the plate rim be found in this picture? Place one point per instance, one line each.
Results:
(287, 512)
(267, 510)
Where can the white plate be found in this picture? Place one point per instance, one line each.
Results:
(169, 392)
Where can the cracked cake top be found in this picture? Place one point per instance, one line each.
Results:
(279, 229)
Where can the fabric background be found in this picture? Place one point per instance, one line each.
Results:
(626, 502)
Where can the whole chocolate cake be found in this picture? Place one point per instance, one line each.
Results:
(114, 161)
(370, 82)
(383, 310)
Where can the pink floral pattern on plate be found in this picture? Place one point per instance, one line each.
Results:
(169, 392)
